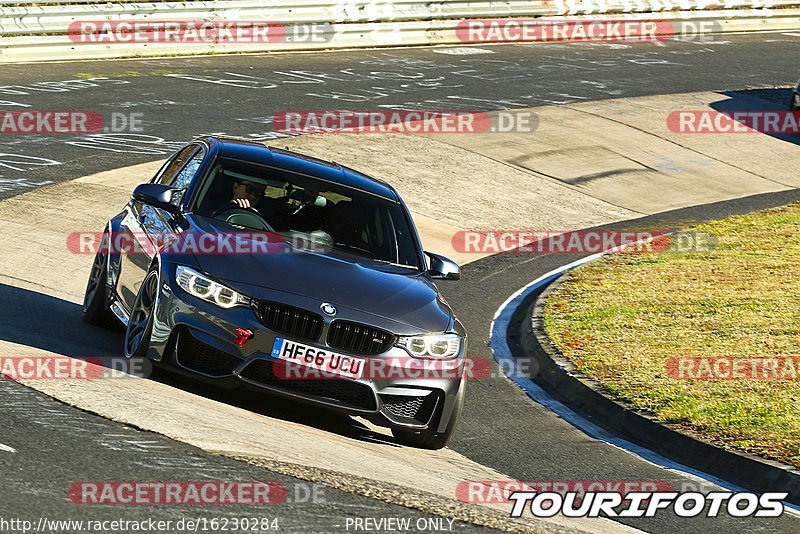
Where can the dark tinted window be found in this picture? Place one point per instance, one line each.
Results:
(346, 220)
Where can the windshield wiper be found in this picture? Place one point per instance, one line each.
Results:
(355, 247)
(372, 256)
(387, 262)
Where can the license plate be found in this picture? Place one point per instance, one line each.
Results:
(326, 362)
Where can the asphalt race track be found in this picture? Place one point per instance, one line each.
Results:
(237, 95)
(502, 428)
(64, 445)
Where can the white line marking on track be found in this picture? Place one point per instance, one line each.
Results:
(502, 353)
(7, 448)
(461, 51)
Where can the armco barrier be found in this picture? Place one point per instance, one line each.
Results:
(31, 31)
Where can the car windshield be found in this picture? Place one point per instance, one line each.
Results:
(308, 211)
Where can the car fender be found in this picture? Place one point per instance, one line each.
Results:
(114, 260)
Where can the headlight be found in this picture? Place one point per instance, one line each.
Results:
(207, 289)
(437, 346)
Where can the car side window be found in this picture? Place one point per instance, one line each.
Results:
(175, 165)
(181, 170)
(184, 178)
(186, 175)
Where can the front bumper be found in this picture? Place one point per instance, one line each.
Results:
(200, 338)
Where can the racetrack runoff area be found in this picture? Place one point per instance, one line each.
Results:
(704, 341)
(586, 164)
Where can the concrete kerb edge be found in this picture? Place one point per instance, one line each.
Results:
(422, 501)
(557, 374)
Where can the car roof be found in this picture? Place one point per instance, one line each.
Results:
(260, 153)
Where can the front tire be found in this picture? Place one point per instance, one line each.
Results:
(95, 301)
(140, 325)
(430, 438)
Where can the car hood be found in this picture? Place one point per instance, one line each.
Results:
(339, 280)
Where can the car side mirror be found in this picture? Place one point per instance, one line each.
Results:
(156, 195)
(442, 268)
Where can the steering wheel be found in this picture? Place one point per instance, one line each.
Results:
(248, 217)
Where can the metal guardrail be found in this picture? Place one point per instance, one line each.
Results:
(34, 31)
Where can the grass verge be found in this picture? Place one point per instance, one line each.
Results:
(621, 319)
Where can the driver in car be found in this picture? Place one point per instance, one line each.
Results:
(247, 194)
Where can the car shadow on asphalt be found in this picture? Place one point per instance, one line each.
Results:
(37, 320)
(759, 99)
(52, 324)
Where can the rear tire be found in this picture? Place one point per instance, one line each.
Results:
(95, 301)
(430, 438)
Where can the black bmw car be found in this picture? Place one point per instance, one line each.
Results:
(253, 266)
